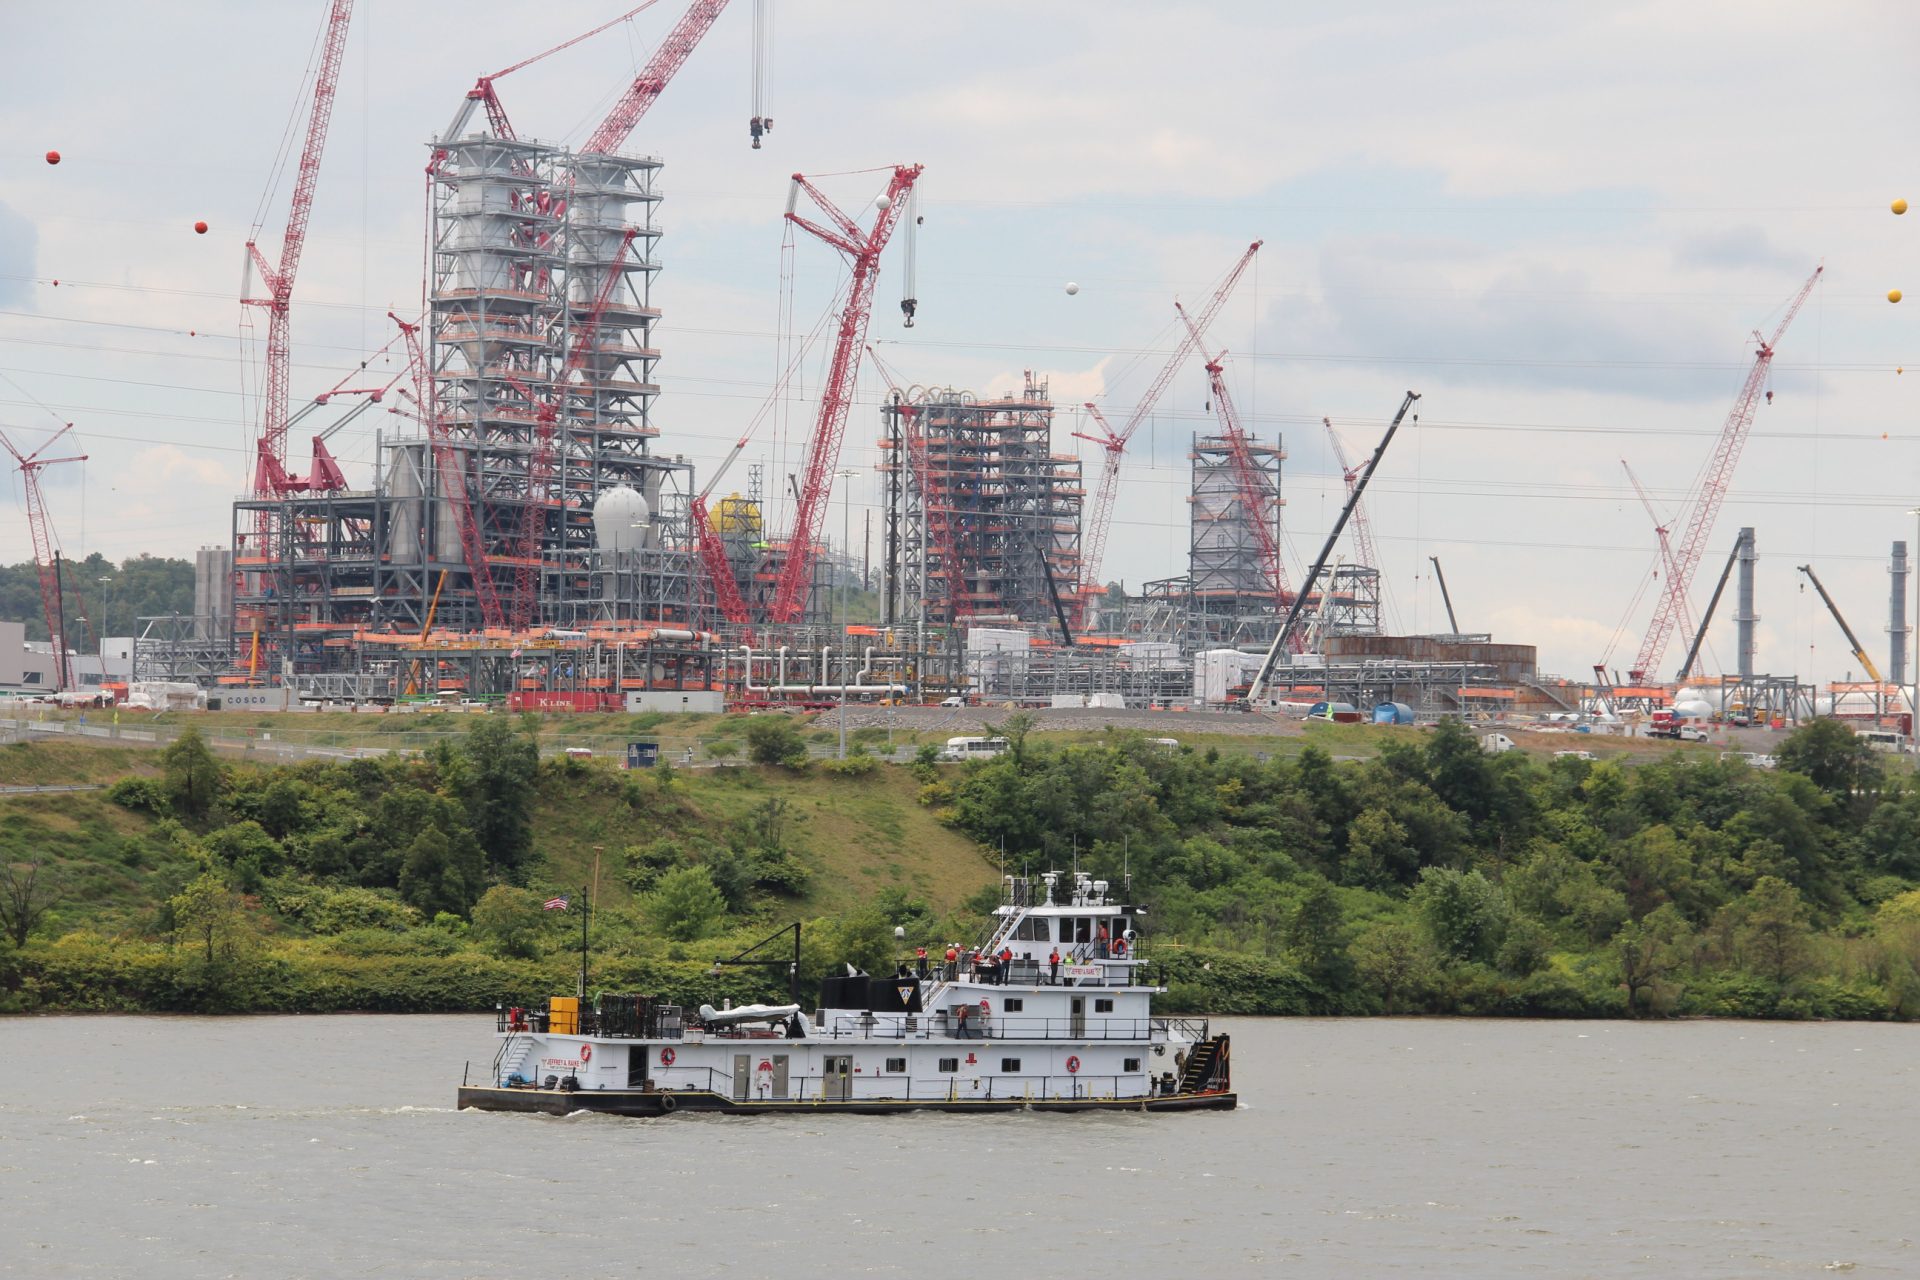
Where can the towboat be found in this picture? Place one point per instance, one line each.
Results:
(1052, 1012)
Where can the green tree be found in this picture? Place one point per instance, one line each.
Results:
(1015, 729)
(497, 788)
(1316, 938)
(1648, 952)
(193, 778)
(510, 920)
(24, 899)
(209, 915)
(1774, 935)
(247, 854)
(441, 873)
(772, 739)
(1465, 914)
(1395, 962)
(685, 905)
(1832, 757)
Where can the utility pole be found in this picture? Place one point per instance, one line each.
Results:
(846, 541)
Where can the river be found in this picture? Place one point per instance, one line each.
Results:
(327, 1146)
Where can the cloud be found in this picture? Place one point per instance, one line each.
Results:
(1736, 248)
(18, 243)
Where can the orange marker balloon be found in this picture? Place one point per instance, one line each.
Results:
(199, 228)
(53, 157)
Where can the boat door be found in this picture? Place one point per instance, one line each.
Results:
(837, 1086)
(1077, 1025)
(779, 1077)
(742, 1076)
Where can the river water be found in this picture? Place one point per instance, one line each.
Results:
(327, 1146)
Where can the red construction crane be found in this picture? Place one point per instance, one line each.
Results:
(862, 250)
(1362, 527)
(1094, 542)
(1661, 529)
(1255, 502)
(278, 279)
(482, 94)
(40, 527)
(453, 481)
(935, 510)
(543, 458)
(1713, 490)
(652, 80)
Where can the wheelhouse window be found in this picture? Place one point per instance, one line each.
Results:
(1033, 929)
(1009, 1065)
(949, 1066)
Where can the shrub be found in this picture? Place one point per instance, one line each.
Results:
(686, 906)
(858, 765)
(142, 795)
(772, 739)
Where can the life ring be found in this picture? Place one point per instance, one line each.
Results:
(986, 1006)
(667, 1101)
(586, 1054)
(666, 1057)
(1073, 1065)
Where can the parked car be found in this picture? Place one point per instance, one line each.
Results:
(955, 701)
(1574, 755)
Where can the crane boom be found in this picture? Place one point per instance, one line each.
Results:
(1362, 527)
(862, 249)
(1853, 641)
(1284, 636)
(279, 279)
(1115, 442)
(1446, 597)
(46, 560)
(1258, 507)
(1713, 490)
(1683, 612)
(652, 80)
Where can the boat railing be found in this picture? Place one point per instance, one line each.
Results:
(938, 1024)
(1190, 1029)
(952, 1087)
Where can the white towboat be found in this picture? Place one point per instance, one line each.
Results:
(1053, 1012)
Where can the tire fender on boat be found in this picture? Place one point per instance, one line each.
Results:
(668, 1102)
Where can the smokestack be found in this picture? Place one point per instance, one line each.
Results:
(1743, 615)
(1897, 617)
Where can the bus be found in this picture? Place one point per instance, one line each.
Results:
(973, 748)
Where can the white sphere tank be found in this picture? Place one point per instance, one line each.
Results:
(1692, 709)
(620, 520)
(1713, 696)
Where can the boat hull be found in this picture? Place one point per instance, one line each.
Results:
(633, 1102)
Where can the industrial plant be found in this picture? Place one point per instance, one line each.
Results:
(528, 533)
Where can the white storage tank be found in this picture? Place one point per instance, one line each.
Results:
(620, 520)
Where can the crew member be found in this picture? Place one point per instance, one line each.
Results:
(1053, 967)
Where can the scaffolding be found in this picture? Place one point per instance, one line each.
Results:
(1231, 598)
(983, 518)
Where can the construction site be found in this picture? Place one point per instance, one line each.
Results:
(529, 534)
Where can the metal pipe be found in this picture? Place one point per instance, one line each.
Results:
(1744, 617)
(1897, 616)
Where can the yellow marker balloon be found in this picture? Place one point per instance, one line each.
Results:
(1893, 295)
(1899, 206)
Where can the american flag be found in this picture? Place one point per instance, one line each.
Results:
(556, 904)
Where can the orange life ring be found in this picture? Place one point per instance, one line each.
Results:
(1073, 1065)
(986, 1005)
(666, 1057)
(586, 1053)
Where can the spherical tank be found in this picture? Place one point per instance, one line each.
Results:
(620, 517)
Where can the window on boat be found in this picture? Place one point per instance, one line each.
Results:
(896, 1066)
(949, 1066)
(1009, 1065)
(1130, 1065)
(1013, 1004)
(1032, 929)
(1102, 1006)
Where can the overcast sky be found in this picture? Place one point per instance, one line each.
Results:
(1559, 222)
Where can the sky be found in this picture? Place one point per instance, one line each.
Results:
(1559, 223)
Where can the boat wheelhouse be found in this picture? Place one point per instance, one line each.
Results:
(1052, 1011)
